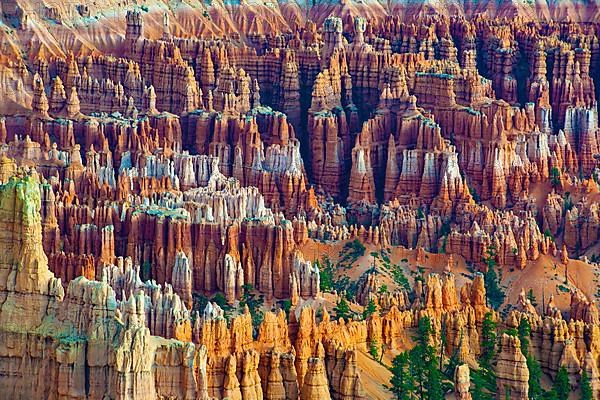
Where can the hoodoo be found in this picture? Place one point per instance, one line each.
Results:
(299, 200)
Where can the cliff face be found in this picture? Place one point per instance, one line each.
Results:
(155, 157)
(55, 332)
(88, 342)
(253, 18)
(123, 338)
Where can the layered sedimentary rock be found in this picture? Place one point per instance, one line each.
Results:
(462, 382)
(97, 330)
(217, 358)
(88, 316)
(512, 371)
(80, 322)
(165, 157)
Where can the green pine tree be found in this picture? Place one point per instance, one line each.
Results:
(326, 274)
(402, 382)
(254, 303)
(424, 364)
(586, 387)
(555, 177)
(374, 349)
(536, 392)
(481, 385)
(531, 297)
(488, 342)
(524, 332)
(434, 382)
(370, 309)
(418, 370)
(535, 374)
(561, 385)
(484, 379)
(512, 332)
(342, 309)
(453, 361)
(494, 292)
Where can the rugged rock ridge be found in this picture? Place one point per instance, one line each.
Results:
(83, 324)
(122, 325)
(214, 151)
(88, 329)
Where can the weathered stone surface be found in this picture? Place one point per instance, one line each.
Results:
(158, 158)
(511, 371)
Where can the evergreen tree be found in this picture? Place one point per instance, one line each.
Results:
(342, 309)
(531, 297)
(550, 395)
(434, 382)
(484, 379)
(488, 342)
(417, 368)
(512, 332)
(424, 365)
(370, 309)
(536, 391)
(586, 387)
(326, 274)
(254, 304)
(484, 384)
(402, 382)
(443, 335)
(382, 352)
(479, 386)
(374, 349)
(453, 362)
(524, 332)
(561, 385)
(555, 177)
(383, 289)
(535, 374)
(494, 292)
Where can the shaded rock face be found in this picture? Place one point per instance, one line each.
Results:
(161, 157)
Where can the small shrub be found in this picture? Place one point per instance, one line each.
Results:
(563, 288)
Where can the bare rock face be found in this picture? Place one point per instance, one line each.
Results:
(350, 386)
(210, 357)
(315, 382)
(305, 279)
(275, 389)
(87, 310)
(362, 185)
(231, 385)
(591, 370)
(462, 381)
(511, 371)
(31, 286)
(163, 160)
(582, 309)
(39, 104)
(182, 279)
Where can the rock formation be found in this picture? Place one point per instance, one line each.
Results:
(187, 191)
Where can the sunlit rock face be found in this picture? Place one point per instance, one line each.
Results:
(191, 193)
